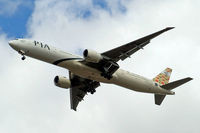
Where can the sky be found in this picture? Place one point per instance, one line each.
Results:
(30, 102)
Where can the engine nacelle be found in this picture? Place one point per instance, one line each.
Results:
(62, 82)
(92, 56)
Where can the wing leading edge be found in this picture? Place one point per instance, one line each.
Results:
(124, 51)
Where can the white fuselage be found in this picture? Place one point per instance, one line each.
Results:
(73, 63)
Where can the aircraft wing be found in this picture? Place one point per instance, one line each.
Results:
(124, 51)
(79, 88)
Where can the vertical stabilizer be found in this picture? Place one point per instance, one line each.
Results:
(163, 77)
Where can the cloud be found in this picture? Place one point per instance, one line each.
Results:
(9, 7)
(32, 103)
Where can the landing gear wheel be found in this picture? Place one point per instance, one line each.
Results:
(21, 52)
(107, 76)
(90, 86)
(92, 91)
(23, 58)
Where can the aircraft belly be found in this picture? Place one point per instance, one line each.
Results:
(138, 83)
(84, 71)
(134, 82)
(120, 77)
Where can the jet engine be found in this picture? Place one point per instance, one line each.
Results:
(92, 56)
(62, 82)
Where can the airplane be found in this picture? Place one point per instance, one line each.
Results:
(86, 73)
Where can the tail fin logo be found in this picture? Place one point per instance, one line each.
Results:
(163, 77)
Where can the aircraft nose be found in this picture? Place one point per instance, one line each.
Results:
(13, 44)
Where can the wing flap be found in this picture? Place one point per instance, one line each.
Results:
(76, 96)
(79, 88)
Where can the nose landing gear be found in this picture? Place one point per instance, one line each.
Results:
(23, 58)
(21, 52)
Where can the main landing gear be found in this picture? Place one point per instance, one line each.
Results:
(106, 75)
(92, 91)
(91, 86)
(108, 69)
(21, 52)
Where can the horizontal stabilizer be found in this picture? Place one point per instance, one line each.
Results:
(175, 84)
(159, 99)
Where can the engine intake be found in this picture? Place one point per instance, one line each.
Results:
(62, 82)
(92, 56)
